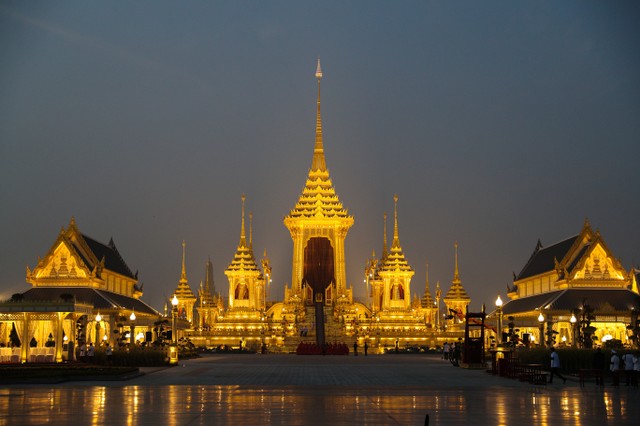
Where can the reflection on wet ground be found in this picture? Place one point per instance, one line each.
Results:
(449, 397)
(194, 405)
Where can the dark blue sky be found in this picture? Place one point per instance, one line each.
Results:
(496, 123)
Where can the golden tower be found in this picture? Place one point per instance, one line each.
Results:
(246, 283)
(456, 298)
(318, 225)
(186, 298)
(396, 273)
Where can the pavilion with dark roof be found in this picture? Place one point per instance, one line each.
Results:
(83, 292)
(570, 278)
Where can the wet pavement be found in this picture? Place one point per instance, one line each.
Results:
(309, 390)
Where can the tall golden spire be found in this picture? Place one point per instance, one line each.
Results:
(395, 260)
(384, 238)
(457, 292)
(396, 239)
(251, 230)
(183, 275)
(427, 300)
(456, 274)
(318, 150)
(243, 238)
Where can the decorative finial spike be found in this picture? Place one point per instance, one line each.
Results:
(318, 70)
(243, 241)
(183, 275)
(396, 240)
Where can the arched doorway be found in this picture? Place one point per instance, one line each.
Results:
(319, 273)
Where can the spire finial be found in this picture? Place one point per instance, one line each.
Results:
(318, 150)
(243, 238)
(384, 237)
(396, 240)
(251, 229)
(427, 274)
(183, 275)
(456, 275)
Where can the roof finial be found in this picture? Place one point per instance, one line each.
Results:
(456, 275)
(318, 150)
(396, 240)
(427, 275)
(243, 239)
(251, 230)
(183, 276)
(384, 238)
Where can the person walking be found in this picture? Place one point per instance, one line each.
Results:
(366, 347)
(355, 348)
(555, 366)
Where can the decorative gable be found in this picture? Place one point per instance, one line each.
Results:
(598, 264)
(61, 262)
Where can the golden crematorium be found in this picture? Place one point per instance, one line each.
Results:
(319, 306)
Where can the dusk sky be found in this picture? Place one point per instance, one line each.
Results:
(495, 122)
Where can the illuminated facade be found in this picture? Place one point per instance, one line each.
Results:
(318, 304)
(82, 291)
(578, 276)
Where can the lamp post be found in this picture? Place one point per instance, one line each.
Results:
(499, 313)
(174, 316)
(132, 340)
(98, 319)
(573, 320)
(541, 327)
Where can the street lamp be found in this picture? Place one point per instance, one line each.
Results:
(499, 312)
(174, 316)
(541, 326)
(98, 319)
(573, 320)
(132, 341)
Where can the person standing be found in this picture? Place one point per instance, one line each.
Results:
(109, 353)
(555, 366)
(615, 367)
(445, 351)
(355, 348)
(366, 347)
(627, 358)
(90, 353)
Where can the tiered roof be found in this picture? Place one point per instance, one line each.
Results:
(427, 300)
(183, 291)
(243, 260)
(456, 292)
(319, 198)
(395, 261)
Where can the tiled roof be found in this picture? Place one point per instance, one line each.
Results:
(113, 260)
(543, 259)
(620, 300)
(100, 299)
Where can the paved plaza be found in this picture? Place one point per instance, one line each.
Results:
(309, 390)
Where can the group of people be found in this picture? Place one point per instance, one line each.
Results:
(451, 352)
(86, 353)
(629, 362)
